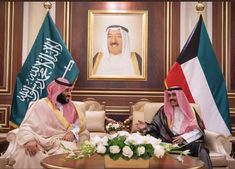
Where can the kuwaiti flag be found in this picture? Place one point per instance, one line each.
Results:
(197, 71)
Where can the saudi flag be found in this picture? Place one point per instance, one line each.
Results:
(47, 60)
(197, 71)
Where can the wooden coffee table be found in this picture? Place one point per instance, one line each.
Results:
(97, 162)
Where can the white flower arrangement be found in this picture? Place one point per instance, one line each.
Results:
(133, 146)
(127, 146)
(113, 126)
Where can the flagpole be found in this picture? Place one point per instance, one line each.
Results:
(200, 7)
(47, 5)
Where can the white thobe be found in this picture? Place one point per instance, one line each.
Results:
(177, 122)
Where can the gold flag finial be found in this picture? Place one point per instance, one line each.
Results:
(200, 6)
(47, 5)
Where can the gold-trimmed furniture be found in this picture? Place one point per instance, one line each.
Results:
(218, 145)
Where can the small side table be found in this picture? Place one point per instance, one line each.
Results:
(233, 149)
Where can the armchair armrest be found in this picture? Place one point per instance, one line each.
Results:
(128, 120)
(217, 142)
(128, 123)
(12, 139)
(11, 135)
(109, 120)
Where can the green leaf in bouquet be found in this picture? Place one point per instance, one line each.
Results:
(119, 141)
(115, 156)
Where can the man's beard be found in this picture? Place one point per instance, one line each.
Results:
(61, 98)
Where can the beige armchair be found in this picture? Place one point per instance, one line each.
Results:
(95, 116)
(95, 122)
(219, 146)
(137, 107)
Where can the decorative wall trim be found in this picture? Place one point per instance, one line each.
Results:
(168, 37)
(11, 56)
(232, 115)
(4, 115)
(225, 42)
(119, 109)
(8, 49)
(122, 92)
(67, 16)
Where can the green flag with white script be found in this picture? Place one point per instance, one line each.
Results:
(47, 60)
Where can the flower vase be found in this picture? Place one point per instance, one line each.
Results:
(122, 163)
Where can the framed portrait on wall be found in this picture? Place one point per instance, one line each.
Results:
(117, 44)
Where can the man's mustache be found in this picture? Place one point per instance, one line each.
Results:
(114, 43)
(172, 100)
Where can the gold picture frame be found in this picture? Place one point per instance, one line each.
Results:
(133, 25)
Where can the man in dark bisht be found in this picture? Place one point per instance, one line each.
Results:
(178, 122)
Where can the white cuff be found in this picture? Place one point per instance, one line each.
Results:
(192, 135)
(75, 132)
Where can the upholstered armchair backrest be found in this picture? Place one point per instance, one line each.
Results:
(150, 109)
(139, 105)
(145, 114)
(81, 106)
(94, 114)
(93, 105)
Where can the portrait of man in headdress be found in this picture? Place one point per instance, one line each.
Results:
(117, 44)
